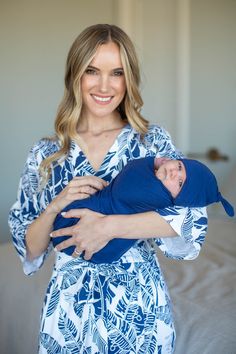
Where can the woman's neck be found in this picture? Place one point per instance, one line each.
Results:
(97, 125)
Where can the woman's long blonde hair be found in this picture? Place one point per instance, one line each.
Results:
(79, 57)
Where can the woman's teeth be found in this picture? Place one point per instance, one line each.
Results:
(102, 99)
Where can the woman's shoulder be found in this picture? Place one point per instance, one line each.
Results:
(156, 137)
(47, 145)
(159, 139)
(156, 130)
(43, 148)
(152, 129)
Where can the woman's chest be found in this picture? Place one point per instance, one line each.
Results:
(95, 147)
(78, 164)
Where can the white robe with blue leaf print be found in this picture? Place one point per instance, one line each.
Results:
(123, 307)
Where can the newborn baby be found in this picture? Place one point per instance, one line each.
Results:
(146, 184)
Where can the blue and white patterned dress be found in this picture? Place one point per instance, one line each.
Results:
(122, 307)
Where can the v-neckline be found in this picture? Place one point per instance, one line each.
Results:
(96, 171)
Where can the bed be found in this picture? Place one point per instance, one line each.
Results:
(203, 293)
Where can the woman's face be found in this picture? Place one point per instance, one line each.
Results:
(171, 173)
(103, 83)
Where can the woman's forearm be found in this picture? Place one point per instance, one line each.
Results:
(142, 225)
(37, 235)
(94, 230)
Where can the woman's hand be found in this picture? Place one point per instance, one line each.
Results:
(89, 235)
(77, 188)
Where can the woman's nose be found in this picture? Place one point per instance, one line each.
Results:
(103, 83)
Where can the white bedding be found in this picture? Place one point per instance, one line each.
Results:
(203, 293)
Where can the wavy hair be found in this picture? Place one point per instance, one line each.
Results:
(79, 57)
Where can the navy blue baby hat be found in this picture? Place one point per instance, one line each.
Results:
(200, 188)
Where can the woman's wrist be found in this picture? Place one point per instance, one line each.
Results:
(107, 224)
(51, 210)
(118, 226)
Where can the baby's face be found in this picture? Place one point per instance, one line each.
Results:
(171, 173)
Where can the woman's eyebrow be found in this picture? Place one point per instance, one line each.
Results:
(94, 68)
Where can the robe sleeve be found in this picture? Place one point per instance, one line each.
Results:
(191, 226)
(25, 210)
(189, 223)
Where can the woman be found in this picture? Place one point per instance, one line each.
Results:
(122, 307)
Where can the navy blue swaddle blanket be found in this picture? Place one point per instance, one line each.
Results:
(135, 189)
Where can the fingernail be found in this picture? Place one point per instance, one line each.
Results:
(55, 249)
(50, 234)
(63, 213)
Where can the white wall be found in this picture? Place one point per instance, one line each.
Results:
(159, 63)
(213, 80)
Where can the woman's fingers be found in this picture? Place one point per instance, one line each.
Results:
(92, 181)
(88, 235)
(76, 253)
(78, 188)
(80, 192)
(75, 213)
(88, 255)
(84, 190)
(82, 187)
(67, 231)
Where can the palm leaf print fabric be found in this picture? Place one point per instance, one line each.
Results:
(122, 307)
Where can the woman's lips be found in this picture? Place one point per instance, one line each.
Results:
(102, 99)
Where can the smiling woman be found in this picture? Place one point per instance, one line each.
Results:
(104, 308)
(103, 89)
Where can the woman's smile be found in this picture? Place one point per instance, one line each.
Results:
(102, 99)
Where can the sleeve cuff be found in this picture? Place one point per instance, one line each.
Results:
(190, 225)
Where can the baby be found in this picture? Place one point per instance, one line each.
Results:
(146, 184)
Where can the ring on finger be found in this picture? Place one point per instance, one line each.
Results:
(77, 252)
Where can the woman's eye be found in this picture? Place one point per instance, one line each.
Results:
(180, 166)
(118, 73)
(90, 71)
